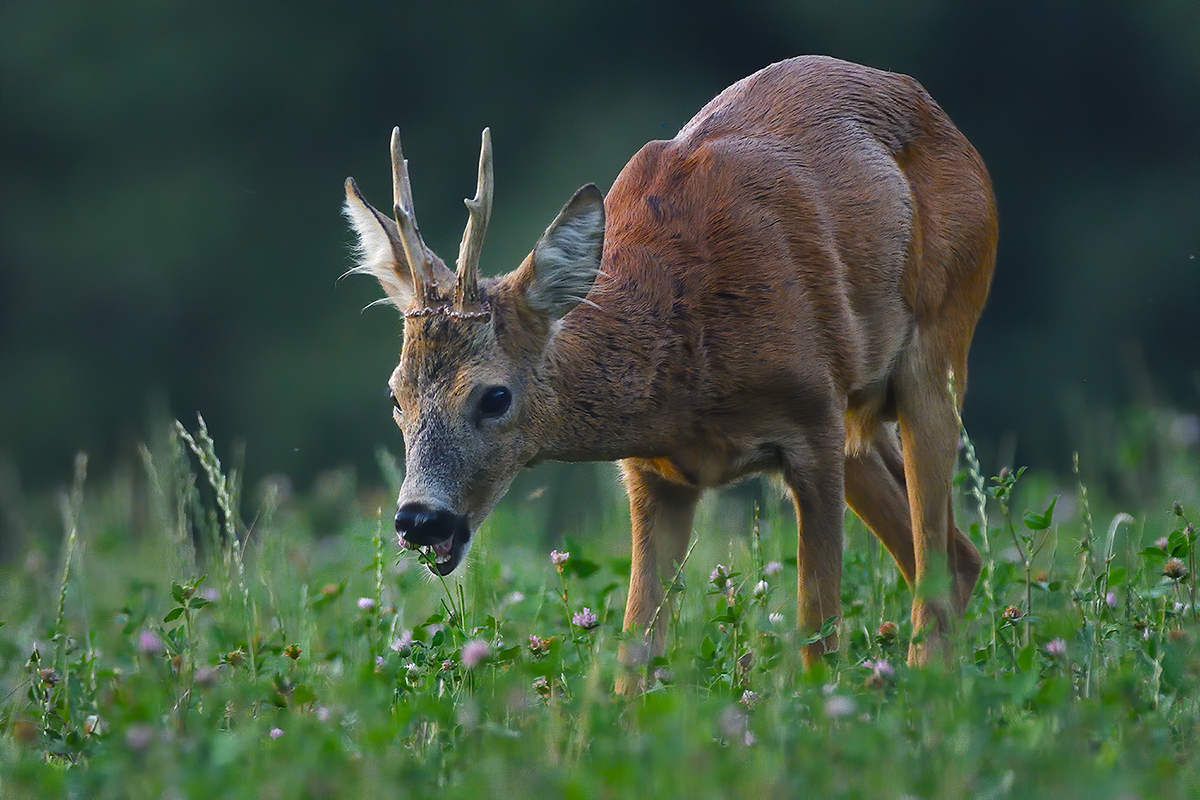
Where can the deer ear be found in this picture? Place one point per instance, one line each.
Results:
(566, 259)
(378, 251)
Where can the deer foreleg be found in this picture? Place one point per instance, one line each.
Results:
(662, 514)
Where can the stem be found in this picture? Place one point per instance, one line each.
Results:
(562, 584)
(1025, 561)
(977, 492)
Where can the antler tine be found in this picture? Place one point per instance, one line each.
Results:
(406, 221)
(466, 285)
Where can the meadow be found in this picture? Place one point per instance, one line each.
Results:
(187, 642)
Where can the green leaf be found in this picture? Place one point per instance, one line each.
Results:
(177, 592)
(173, 614)
(1116, 576)
(1160, 590)
(1025, 658)
(1040, 522)
(580, 567)
(303, 694)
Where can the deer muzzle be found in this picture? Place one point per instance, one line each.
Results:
(443, 532)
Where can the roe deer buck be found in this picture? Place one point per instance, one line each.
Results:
(805, 261)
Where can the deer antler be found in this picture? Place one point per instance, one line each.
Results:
(466, 284)
(406, 222)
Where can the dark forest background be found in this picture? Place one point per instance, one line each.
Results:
(171, 180)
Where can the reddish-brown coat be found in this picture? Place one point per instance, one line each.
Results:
(805, 261)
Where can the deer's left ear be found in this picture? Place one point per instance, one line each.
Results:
(566, 259)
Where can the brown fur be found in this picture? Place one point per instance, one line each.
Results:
(805, 261)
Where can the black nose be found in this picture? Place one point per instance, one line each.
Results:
(421, 525)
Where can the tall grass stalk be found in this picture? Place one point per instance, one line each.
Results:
(977, 492)
(70, 508)
(224, 488)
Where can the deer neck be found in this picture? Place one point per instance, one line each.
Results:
(608, 380)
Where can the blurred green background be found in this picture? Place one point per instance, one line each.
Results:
(170, 235)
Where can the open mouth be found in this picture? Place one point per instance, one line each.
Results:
(443, 557)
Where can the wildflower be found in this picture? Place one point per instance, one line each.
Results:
(1012, 614)
(292, 651)
(323, 713)
(558, 559)
(542, 686)
(412, 674)
(210, 593)
(149, 643)
(511, 599)
(1110, 599)
(49, 677)
(585, 619)
(539, 647)
(880, 667)
(749, 698)
(761, 589)
(1162, 543)
(772, 567)
(366, 604)
(888, 631)
(1175, 569)
(1057, 648)
(775, 619)
(403, 642)
(275, 733)
(719, 576)
(474, 652)
(664, 675)
(379, 662)
(838, 706)
(234, 658)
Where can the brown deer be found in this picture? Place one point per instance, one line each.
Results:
(804, 262)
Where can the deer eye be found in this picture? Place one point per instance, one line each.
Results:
(495, 401)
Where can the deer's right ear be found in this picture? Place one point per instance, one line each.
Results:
(378, 251)
(566, 259)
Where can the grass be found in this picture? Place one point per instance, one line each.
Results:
(176, 650)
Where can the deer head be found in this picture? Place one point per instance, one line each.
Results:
(473, 393)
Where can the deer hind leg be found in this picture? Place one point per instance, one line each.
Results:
(814, 473)
(878, 494)
(662, 513)
(929, 440)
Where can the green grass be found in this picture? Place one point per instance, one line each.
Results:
(175, 650)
